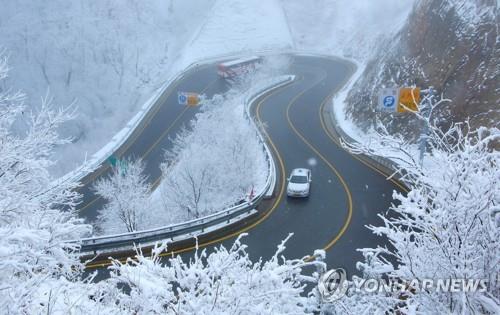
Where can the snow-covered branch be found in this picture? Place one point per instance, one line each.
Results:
(446, 227)
(128, 204)
(215, 163)
(35, 221)
(223, 282)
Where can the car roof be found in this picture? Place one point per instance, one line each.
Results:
(300, 171)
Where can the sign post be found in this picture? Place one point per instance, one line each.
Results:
(122, 165)
(407, 100)
(112, 160)
(426, 112)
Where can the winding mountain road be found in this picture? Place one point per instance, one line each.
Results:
(347, 191)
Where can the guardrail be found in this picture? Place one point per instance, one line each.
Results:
(387, 163)
(118, 142)
(380, 160)
(197, 226)
(181, 231)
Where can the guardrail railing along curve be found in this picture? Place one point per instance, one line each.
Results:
(194, 227)
(199, 225)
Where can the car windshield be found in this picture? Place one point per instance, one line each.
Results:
(298, 179)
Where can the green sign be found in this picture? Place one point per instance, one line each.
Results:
(112, 160)
(115, 162)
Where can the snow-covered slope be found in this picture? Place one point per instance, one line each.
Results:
(344, 27)
(107, 56)
(240, 26)
(451, 45)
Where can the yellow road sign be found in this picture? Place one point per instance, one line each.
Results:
(193, 99)
(409, 98)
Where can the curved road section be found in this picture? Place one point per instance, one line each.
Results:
(154, 135)
(347, 193)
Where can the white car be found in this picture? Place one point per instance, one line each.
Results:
(299, 183)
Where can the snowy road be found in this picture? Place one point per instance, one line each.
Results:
(154, 137)
(346, 194)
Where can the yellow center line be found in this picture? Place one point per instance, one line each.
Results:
(249, 227)
(174, 122)
(162, 99)
(164, 133)
(373, 167)
(155, 143)
(282, 179)
(337, 174)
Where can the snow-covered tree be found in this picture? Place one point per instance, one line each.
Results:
(443, 228)
(36, 213)
(40, 272)
(127, 193)
(215, 163)
(223, 282)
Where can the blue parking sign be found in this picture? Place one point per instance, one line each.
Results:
(387, 100)
(182, 98)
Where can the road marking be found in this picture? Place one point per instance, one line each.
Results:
(373, 167)
(164, 133)
(273, 207)
(174, 122)
(337, 173)
(162, 99)
(282, 169)
(152, 146)
(357, 157)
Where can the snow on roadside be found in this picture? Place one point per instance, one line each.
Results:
(339, 105)
(350, 29)
(226, 28)
(369, 138)
(109, 56)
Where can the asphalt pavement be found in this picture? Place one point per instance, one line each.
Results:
(346, 194)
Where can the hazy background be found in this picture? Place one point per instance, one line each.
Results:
(106, 56)
(109, 56)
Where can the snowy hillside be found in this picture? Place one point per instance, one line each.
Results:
(346, 28)
(109, 56)
(451, 45)
(240, 26)
(106, 56)
(434, 250)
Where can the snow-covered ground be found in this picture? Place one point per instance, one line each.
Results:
(106, 56)
(110, 56)
(222, 166)
(350, 29)
(344, 27)
(112, 68)
(368, 138)
(240, 26)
